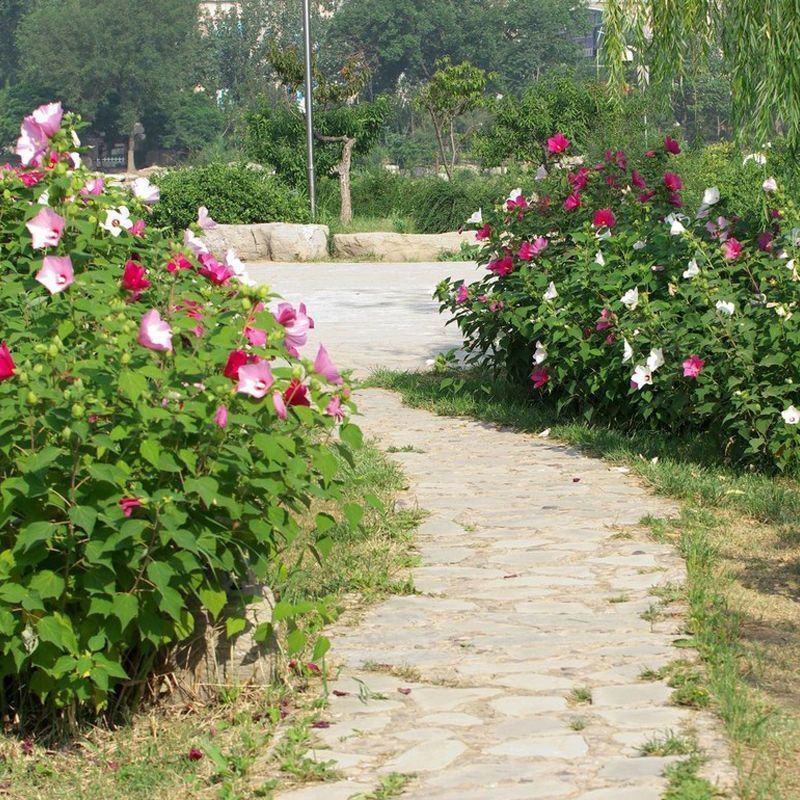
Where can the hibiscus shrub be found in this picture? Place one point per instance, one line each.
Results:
(159, 433)
(610, 300)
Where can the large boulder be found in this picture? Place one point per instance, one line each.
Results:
(399, 246)
(270, 241)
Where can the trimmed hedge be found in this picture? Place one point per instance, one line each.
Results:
(233, 194)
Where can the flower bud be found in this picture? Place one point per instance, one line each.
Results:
(247, 303)
(78, 411)
(125, 358)
(66, 433)
(31, 399)
(52, 351)
(37, 368)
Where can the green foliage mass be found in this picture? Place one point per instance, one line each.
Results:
(275, 136)
(233, 194)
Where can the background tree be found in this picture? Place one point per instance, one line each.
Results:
(759, 42)
(453, 90)
(342, 125)
(10, 15)
(531, 38)
(583, 110)
(106, 63)
(404, 38)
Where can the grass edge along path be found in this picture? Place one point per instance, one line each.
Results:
(739, 533)
(255, 740)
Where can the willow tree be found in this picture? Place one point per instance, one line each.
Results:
(759, 40)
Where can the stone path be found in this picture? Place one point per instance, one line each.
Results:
(532, 583)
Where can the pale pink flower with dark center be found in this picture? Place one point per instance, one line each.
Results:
(256, 336)
(48, 118)
(280, 405)
(32, 143)
(56, 273)
(155, 333)
(145, 191)
(93, 187)
(255, 379)
(194, 243)
(45, 228)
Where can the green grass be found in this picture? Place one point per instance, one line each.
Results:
(580, 696)
(253, 741)
(391, 785)
(739, 531)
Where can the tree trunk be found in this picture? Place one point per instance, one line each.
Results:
(131, 149)
(346, 215)
(453, 148)
(442, 151)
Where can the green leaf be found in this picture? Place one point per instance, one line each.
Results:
(33, 534)
(325, 522)
(207, 488)
(47, 584)
(125, 607)
(351, 434)
(150, 451)
(57, 629)
(374, 502)
(160, 573)
(295, 641)
(354, 513)
(132, 384)
(214, 600)
(234, 625)
(84, 517)
(38, 461)
(320, 648)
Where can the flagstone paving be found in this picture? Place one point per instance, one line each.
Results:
(532, 581)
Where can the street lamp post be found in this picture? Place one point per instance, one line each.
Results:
(312, 189)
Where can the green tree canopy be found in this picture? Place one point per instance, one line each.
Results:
(758, 39)
(403, 39)
(113, 64)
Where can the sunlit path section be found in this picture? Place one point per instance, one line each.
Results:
(370, 315)
(527, 664)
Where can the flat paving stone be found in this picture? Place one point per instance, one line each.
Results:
(512, 611)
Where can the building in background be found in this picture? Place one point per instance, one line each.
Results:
(591, 42)
(216, 8)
